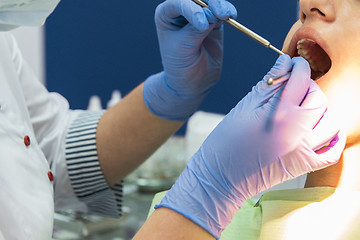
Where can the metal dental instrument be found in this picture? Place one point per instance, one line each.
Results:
(245, 30)
(278, 79)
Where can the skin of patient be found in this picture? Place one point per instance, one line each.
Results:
(327, 34)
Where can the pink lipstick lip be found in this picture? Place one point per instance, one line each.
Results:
(309, 33)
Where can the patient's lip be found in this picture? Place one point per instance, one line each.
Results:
(306, 32)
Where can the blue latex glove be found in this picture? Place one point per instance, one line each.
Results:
(191, 47)
(244, 155)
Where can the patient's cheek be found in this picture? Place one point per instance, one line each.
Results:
(289, 36)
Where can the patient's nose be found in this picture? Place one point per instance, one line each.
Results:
(323, 10)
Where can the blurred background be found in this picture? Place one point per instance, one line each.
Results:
(92, 48)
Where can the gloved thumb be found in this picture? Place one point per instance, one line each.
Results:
(262, 92)
(192, 12)
(299, 82)
(282, 66)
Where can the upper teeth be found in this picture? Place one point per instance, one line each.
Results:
(303, 47)
(305, 40)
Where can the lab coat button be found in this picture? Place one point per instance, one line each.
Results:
(27, 140)
(51, 176)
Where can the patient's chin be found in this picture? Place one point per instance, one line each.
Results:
(353, 139)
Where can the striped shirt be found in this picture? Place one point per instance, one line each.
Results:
(85, 174)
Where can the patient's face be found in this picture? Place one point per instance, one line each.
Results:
(328, 36)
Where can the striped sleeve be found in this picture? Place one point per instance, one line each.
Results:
(85, 174)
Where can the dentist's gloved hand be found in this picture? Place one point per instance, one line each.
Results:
(191, 47)
(270, 136)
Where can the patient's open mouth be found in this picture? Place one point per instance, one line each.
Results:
(319, 60)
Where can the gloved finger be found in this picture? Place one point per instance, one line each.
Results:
(222, 9)
(324, 131)
(211, 17)
(282, 66)
(313, 107)
(191, 11)
(308, 114)
(320, 160)
(214, 41)
(298, 84)
(334, 150)
(263, 95)
(194, 37)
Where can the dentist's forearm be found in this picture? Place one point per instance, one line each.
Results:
(127, 134)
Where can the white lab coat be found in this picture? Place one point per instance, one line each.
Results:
(29, 112)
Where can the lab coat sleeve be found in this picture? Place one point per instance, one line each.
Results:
(67, 140)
